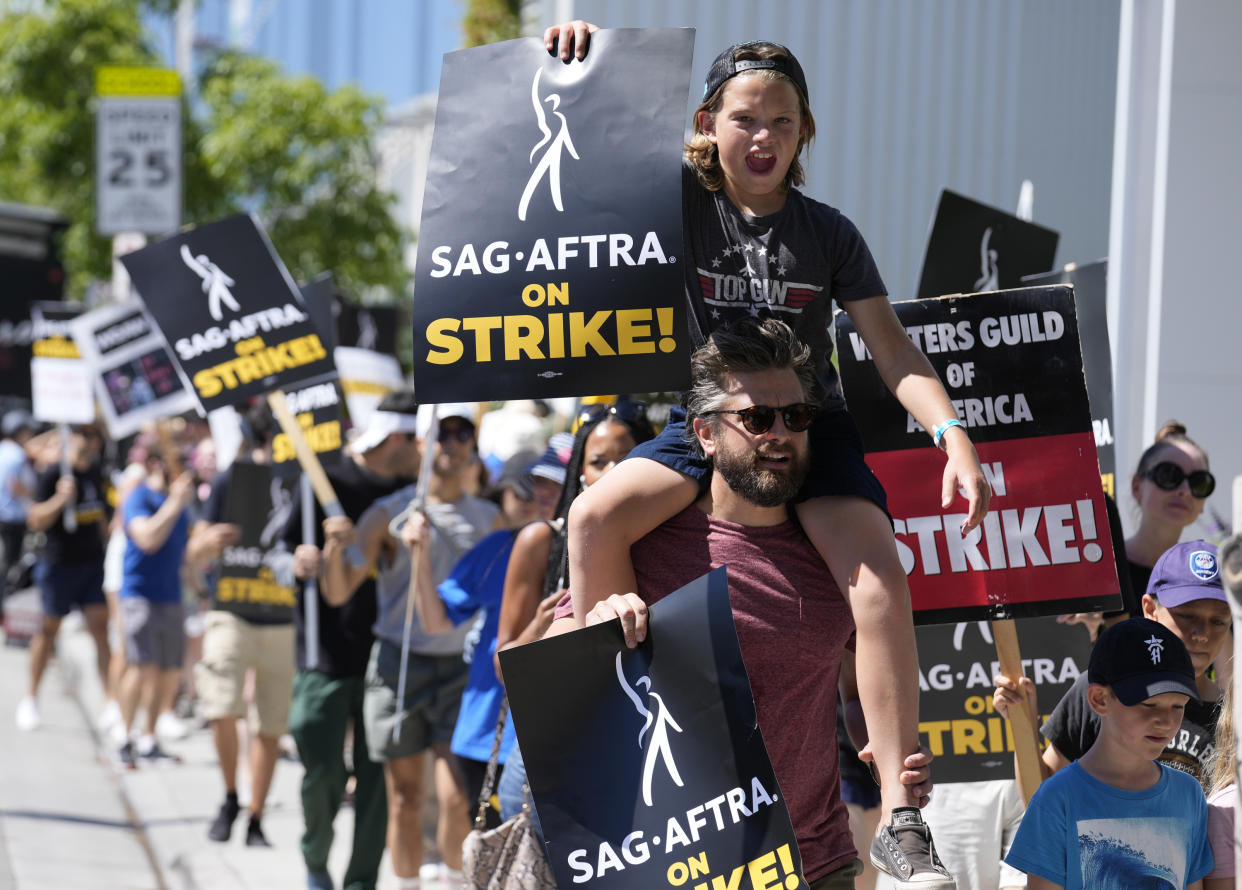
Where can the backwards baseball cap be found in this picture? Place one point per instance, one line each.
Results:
(1140, 658)
(1185, 572)
(726, 66)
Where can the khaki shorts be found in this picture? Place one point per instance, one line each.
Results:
(231, 647)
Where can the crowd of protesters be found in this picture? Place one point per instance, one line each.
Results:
(494, 526)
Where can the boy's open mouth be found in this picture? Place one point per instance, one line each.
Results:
(760, 163)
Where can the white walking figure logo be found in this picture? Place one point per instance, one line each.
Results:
(990, 279)
(661, 720)
(216, 284)
(550, 163)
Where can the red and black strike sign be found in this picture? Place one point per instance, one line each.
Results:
(1012, 364)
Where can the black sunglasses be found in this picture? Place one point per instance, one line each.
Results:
(758, 419)
(630, 412)
(461, 434)
(1169, 476)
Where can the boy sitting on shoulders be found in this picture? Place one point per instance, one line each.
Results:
(1114, 817)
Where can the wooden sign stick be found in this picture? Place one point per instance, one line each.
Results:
(1025, 739)
(311, 466)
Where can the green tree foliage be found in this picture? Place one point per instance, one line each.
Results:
(489, 21)
(281, 147)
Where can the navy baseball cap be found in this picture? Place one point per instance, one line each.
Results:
(1140, 658)
(1185, 572)
(726, 66)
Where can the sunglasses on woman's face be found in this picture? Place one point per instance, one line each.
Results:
(1169, 477)
(758, 419)
(630, 412)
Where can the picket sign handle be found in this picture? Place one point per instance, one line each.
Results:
(68, 515)
(1025, 740)
(310, 464)
(172, 456)
(310, 590)
(394, 529)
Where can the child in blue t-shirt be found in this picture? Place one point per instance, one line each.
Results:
(1114, 817)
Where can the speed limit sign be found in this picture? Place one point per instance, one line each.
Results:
(138, 151)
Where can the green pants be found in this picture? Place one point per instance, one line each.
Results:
(323, 708)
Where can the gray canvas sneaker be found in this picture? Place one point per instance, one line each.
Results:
(903, 850)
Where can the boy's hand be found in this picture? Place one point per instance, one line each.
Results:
(962, 470)
(916, 775)
(1009, 693)
(630, 609)
(570, 38)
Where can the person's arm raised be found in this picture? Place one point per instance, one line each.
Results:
(910, 377)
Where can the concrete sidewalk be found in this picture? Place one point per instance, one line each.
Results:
(70, 818)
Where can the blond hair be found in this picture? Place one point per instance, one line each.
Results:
(701, 152)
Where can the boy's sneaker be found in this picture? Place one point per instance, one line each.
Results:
(903, 850)
(222, 827)
(27, 716)
(254, 834)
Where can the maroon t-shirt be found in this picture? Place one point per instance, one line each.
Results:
(793, 625)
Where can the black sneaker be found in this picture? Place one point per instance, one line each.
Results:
(254, 834)
(125, 756)
(903, 850)
(223, 826)
(157, 756)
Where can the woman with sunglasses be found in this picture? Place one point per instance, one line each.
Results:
(1170, 485)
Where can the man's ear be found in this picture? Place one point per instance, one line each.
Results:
(1149, 607)
(1099, 697)
(707, 440)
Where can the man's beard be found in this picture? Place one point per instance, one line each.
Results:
(760, 486)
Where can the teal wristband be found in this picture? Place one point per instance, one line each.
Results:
(941, 429)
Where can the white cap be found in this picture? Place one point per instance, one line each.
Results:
(464, 410)
(381, 425)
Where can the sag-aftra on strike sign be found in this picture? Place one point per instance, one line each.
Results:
(549, 249)
(227, 306)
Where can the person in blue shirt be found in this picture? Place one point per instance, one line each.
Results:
(1115, 817)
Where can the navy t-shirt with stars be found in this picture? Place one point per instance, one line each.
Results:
(789, 265)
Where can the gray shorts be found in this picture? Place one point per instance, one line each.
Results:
(433, 688)
(154, 632)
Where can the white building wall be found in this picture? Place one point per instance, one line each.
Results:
(1175, 231)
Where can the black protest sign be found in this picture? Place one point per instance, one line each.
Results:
(136, 380)
(321, 300)
(317, 409)
(1012, 365)
(251, 582)
(369, 327)
(974, 247)
(551, 231)
(1090, 283)
(232, 314)
(646, 765)
(957, 662)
